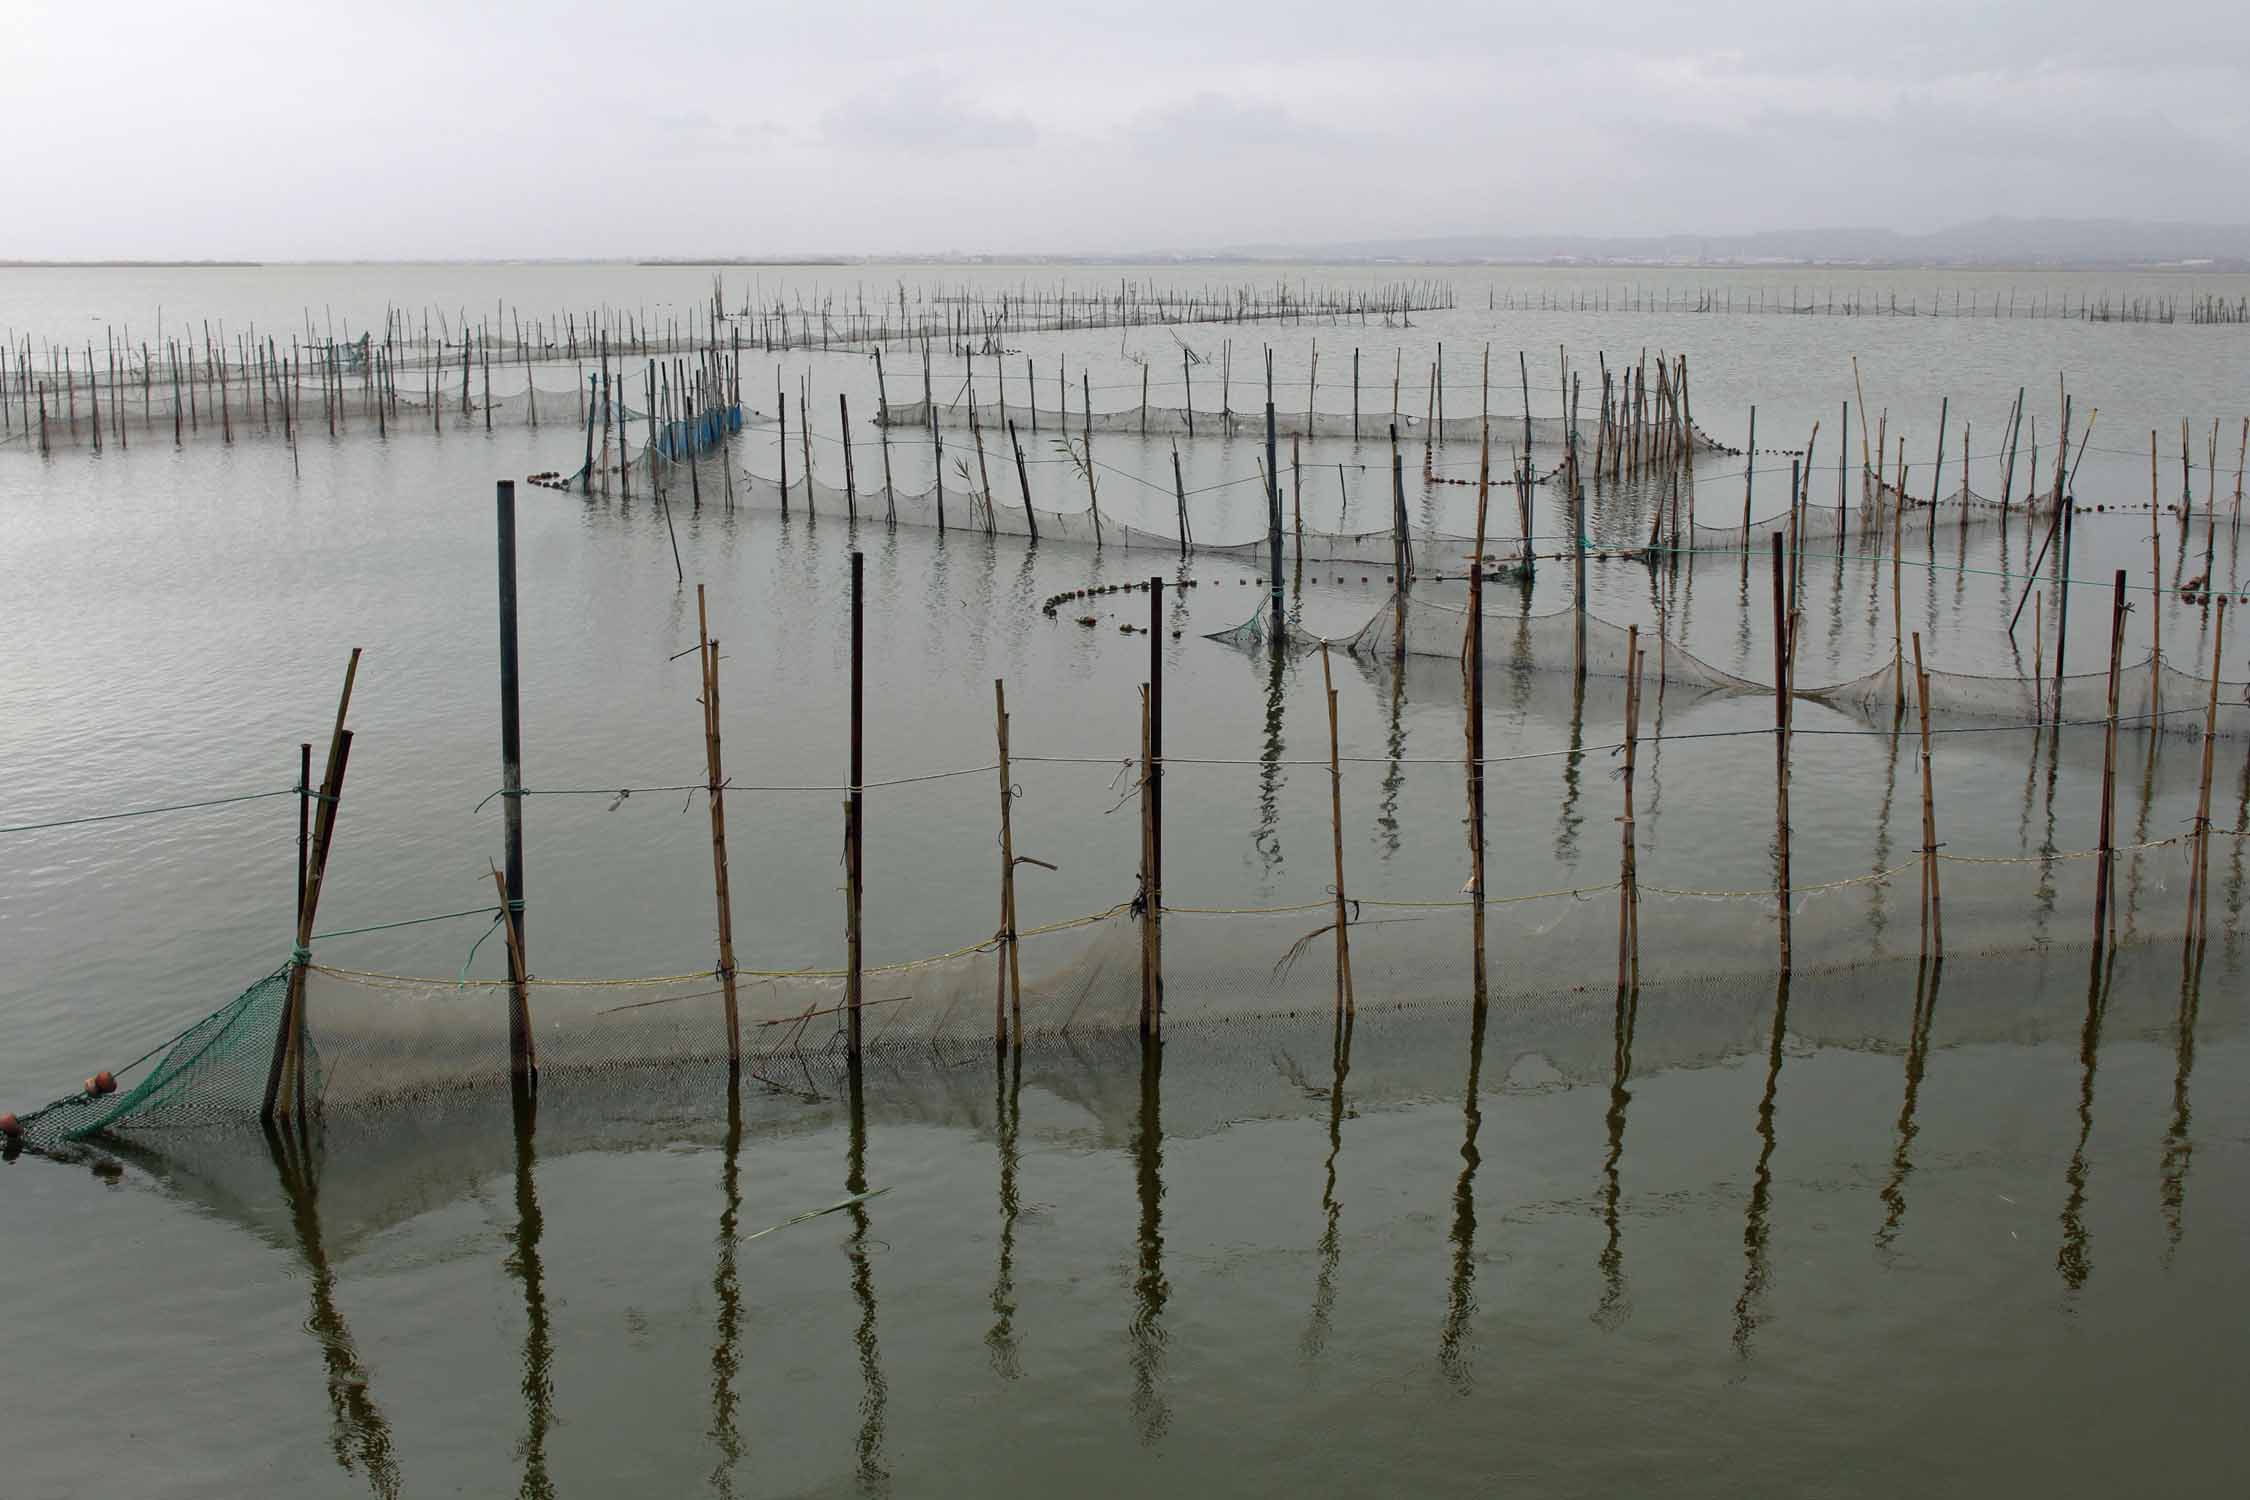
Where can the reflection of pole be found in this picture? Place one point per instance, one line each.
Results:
(362, 1435)
(1926, 977)
(875, 1392)
(726, 1292)
(1151, 1412)
(1460, 1287)
(524, 1264)
(1757, 1269)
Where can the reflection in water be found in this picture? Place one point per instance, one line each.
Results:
(1394, 775)
(1331, 1249)
(357, 1433)
(727, 1294)
(1757, 1271)
(874, 1394)
(524, 1265)
(1926, 976)
(2177, 1145)
(1877, 917)
(1152, 1414)
(1460, 1291)
(1007, 1114)
(1268, 837)
(1569, 818)
(2073, 1260)
(1612, 1311)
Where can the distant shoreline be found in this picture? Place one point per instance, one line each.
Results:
(2216, 266)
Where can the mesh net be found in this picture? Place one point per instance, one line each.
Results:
(384, 1040)
(1868, 527)
(1179, 421)
(2152, 696)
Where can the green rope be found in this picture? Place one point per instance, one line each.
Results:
(142, 812)
(481, 911)
(461, 980)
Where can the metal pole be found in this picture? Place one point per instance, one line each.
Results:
(1156, 806)
(520, 1066)
(853, 976)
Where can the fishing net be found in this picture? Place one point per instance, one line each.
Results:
(386, 1040)
(1508, 429)
(1868, 527)
(2152, 696)
(1555, 642)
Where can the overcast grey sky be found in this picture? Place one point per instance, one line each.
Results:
(435, 128)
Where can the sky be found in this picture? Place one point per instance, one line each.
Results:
(306, 129)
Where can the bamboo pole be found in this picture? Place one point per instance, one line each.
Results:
(289, 1032)
(1933, 906)
(1093, 497)
(1346, 1001)
(1010, 977)
(2108, 857)
(1628, 862)
(523, 1070)
(883, 431)
(1781, 655)
(722, 890)
(2199, 874)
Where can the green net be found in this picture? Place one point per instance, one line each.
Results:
(213, 1071)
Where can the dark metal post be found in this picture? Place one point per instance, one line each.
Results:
(1156, 805)
(520, 1066)
(853, 978)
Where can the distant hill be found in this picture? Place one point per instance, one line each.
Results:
(2090, 244)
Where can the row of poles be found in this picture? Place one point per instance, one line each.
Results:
(287, 1083)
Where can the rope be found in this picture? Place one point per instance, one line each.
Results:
(481, 911)
(143, 812)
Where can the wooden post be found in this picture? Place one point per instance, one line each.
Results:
(1023, 483)
(289, 1032)
(855, 851)
(1010, 976)
(1933, 905)
(2199, 873)
(1781, 654)
(1346, 1002)
(522, 1067)
(2107, 857)
(716, 788)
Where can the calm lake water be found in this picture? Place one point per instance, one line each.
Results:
(1872, 1229)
